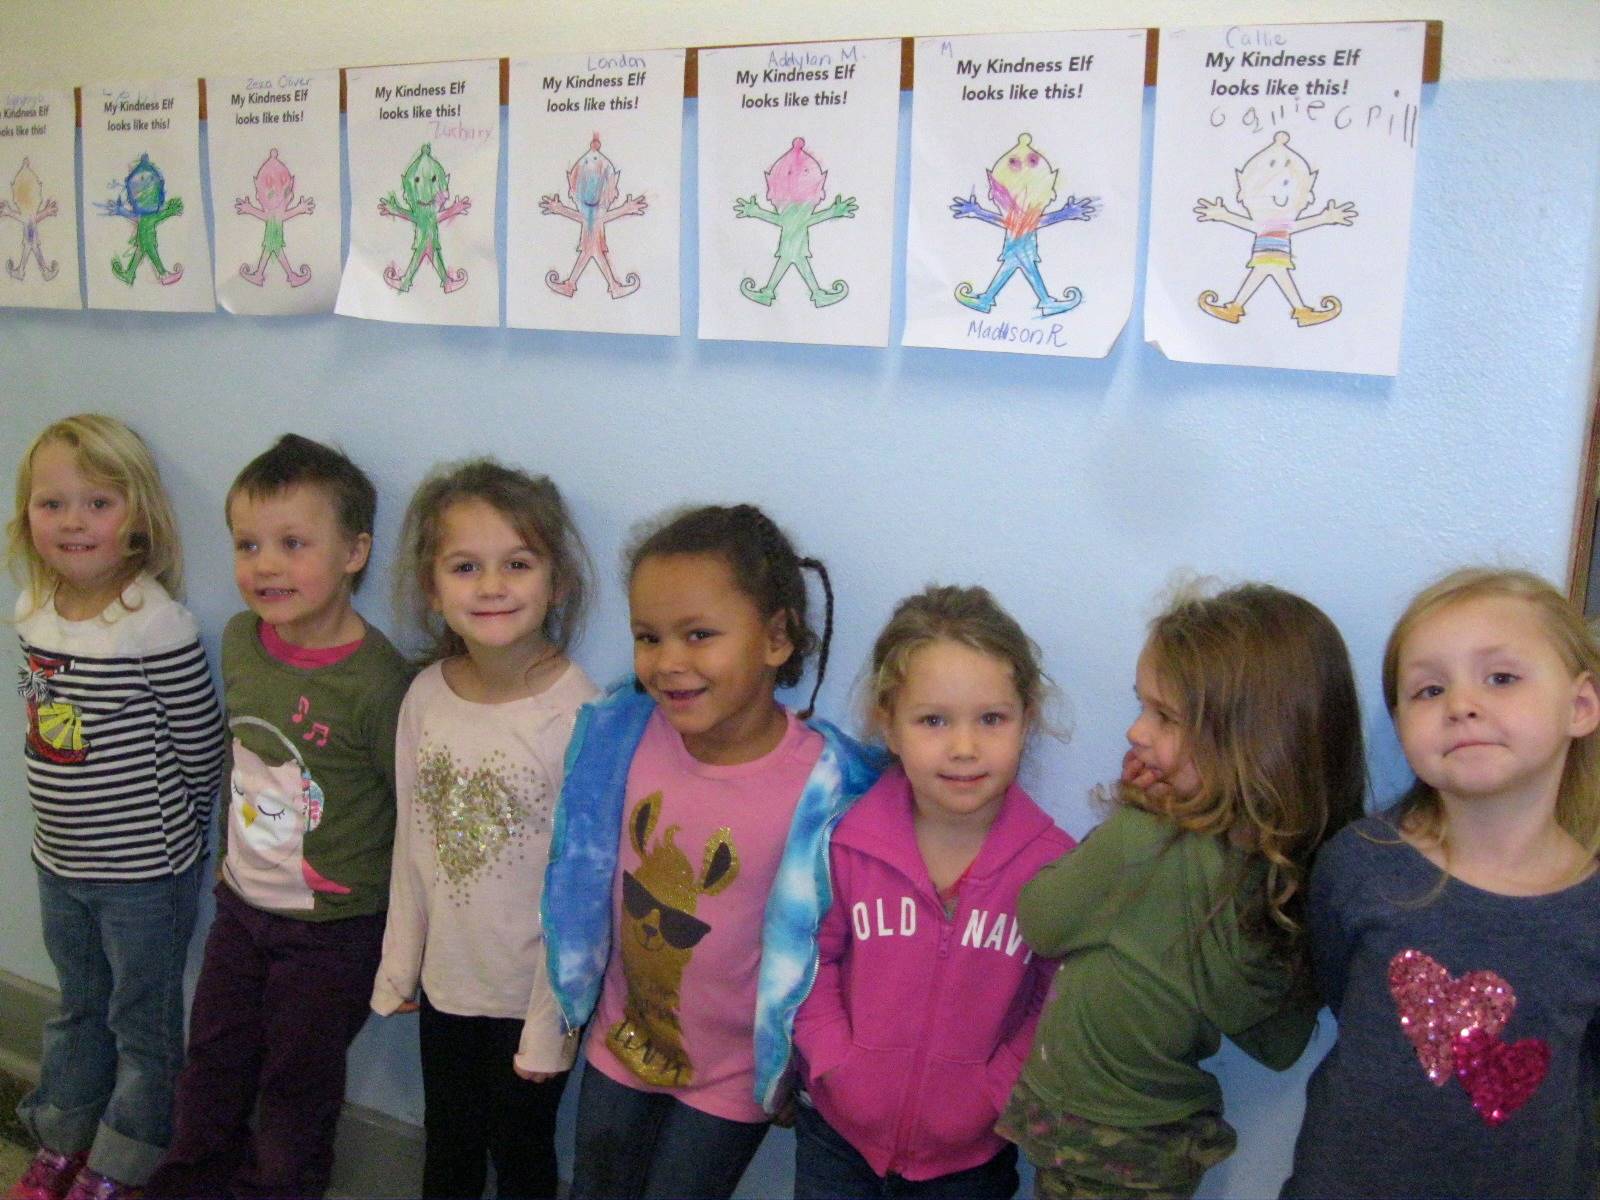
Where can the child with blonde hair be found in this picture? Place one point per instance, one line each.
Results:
(1180, 920)
(123, 756)
(926, 997)
(493, 570)
(1456, 935)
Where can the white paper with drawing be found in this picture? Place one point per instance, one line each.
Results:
(1280, 211)
(797, 183)
(144, 222)
(594, 163)
(273, 138)
(424, 146)
(1024, 191)
(38, 200)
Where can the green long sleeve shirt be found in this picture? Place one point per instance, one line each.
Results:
(1150, 979)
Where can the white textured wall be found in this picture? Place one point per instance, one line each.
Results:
(1073, 489)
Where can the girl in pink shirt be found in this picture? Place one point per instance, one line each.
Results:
(926, 997)
(688, 869)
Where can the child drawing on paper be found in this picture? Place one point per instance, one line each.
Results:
(592, 185)
(275, 203)
(27, 207)
(1022, 183)
(1275, 186)
(796, 184)
(427, 205)
(142, 199)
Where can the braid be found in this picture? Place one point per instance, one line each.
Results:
(827, 630)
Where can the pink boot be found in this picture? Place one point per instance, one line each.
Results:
(48, 1176)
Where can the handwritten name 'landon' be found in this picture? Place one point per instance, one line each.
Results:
(877, 921)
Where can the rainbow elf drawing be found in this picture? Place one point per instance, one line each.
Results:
(1022, 184)
(28, 207)
(796, 185)
(592, 184)
(142, 199)
(275, 204)
(1275, 186)
(427, 205)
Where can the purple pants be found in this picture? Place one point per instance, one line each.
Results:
(278, 1003)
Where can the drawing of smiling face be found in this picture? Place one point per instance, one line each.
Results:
(267, 825)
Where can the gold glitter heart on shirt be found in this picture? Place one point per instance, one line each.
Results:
(476, 813)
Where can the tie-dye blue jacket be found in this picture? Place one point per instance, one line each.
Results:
(576, 906)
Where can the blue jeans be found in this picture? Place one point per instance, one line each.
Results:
(651, 1144)
(826, 1167)
(112, 1055)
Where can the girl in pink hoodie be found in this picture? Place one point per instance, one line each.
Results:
(926, 996)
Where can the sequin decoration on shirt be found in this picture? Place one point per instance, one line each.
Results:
(479, 814)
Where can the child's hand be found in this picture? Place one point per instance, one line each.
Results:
(534, 1076)
(787, 1111)
(1147, 779)
(405, 1006)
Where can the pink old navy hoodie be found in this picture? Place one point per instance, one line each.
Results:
(919, 1023)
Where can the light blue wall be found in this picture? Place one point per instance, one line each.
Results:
(1073, 489)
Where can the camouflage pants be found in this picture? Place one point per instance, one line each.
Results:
(1076, 1158)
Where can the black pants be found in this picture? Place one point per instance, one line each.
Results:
(479, 1109)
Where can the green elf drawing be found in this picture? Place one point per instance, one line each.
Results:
(796, 184)
(142, 199)
(427, 206)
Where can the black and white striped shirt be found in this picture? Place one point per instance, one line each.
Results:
(124, 737)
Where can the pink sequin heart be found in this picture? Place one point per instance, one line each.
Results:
(1436, 1008)
(1499, 1076)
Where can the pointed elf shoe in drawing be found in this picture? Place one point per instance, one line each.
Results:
(822, 297)
(1326, 311)
(257, 277)
(300, 277)
(749, 290)
(455, 280)
(171, 277)
(1070, 299)
(980, 301)
(124, 273)
(1229, 312)
(623, 287)
(16, 272)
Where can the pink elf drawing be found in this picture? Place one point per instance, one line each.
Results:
(275, 204)
(796, 184)
(592, 185)
(28, 207)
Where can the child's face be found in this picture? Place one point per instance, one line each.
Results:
(703, 651)
(488, 584)
(957, 724)
(293, 562)
(1158, 735)
(1485, 706)
(76, 524)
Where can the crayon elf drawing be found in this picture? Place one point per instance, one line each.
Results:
(592, 185)
(275, 203)
(796, 184)
(142, 199)
(427, 205)
(28, 207)
(1022, 183)
(1275, 186)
